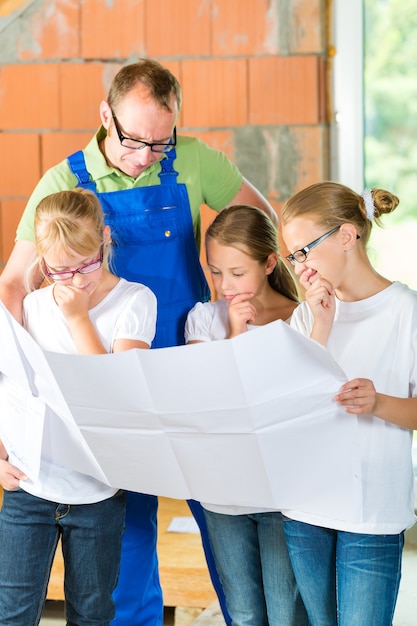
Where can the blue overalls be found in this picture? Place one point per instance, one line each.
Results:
(153, 243)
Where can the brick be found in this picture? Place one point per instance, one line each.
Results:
(57, 146)
(29, 96)
(215, 93)
(307, 27)
(17, 148)
(178, 28)
(10, 213)
(222, 140)
(50, 31)
(112, 30)
(248, 27)
(311, 143)
(176, 69)
(283, 250)
(83, 86)
(281, 160)
(285, 90)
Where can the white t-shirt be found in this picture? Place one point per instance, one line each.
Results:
(209, 321)
(376, 338)
(129, 312)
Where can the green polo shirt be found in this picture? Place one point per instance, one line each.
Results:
(208, 174)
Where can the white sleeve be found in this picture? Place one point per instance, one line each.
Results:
(302, 319)
(137, 320)
(199, 324)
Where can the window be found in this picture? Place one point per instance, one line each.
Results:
(375, 126)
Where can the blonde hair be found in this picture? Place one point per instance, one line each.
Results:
(72, 220)
(250, 230)
(333, 204)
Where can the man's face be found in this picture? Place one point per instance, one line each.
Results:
(137, 117)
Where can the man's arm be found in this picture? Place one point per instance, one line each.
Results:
(248, 194)
(12, 279)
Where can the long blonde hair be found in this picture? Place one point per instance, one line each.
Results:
(72, 220)
(251, 230)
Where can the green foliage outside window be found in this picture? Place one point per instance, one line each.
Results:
(390, 88)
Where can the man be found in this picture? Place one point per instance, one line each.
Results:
(151, 184)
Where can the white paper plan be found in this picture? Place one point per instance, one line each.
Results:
(248, 421)
(34, 416)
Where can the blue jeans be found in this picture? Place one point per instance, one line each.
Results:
(138, 595)
(199, 516)
(345, 579)
(255, 570)
(91, 535)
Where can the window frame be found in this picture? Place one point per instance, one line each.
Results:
(347, 123)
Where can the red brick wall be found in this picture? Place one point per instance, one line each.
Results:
(252, 73)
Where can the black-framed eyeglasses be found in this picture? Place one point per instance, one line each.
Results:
(93, 266)
(300, 256)
(138, 144)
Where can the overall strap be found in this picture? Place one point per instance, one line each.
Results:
(76, 162)
(78, 167)
(167, 175)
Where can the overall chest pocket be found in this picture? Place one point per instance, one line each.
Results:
(144, 227)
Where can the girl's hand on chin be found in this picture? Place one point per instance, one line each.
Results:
(241, 313)
(72, 301)
(308, 277)
(321, 299)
